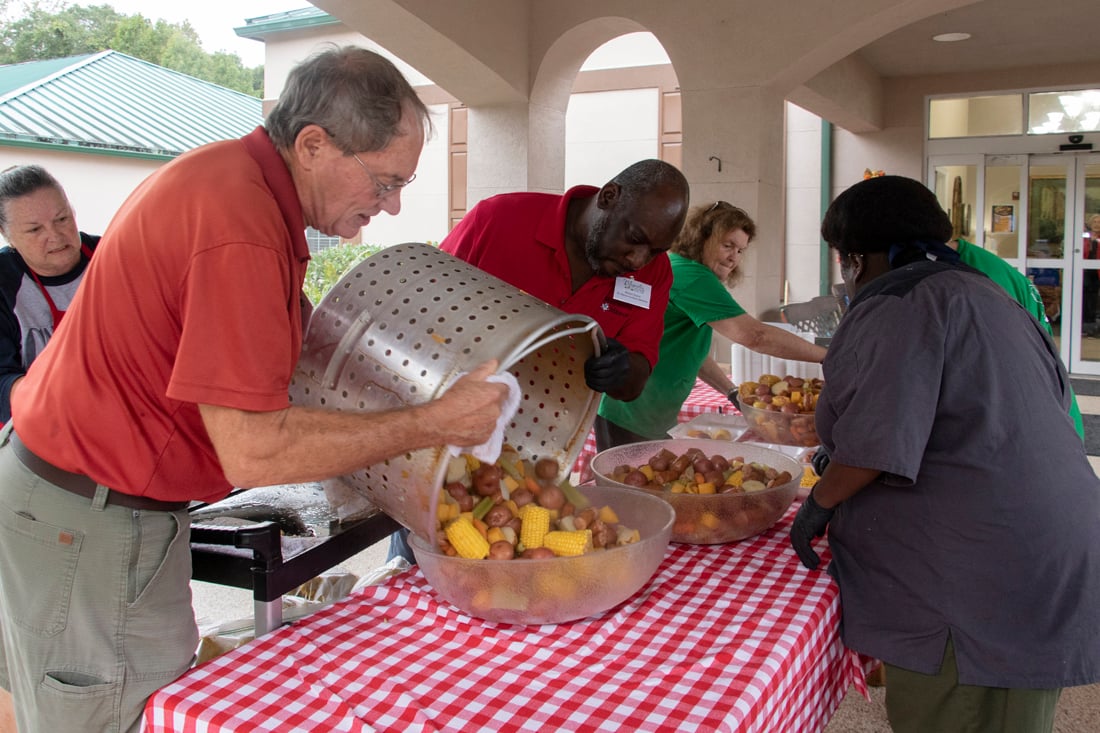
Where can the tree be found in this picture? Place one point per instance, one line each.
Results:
(49, 30)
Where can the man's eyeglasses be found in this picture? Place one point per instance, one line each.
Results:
(383, 189)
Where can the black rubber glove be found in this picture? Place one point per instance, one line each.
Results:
(810, 522)
(608, 370)
(734, 397)
(820, 461)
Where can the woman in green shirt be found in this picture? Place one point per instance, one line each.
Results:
(705, 262)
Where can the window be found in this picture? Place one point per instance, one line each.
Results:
(318, 241)
(1061, 112)
(1001, 114)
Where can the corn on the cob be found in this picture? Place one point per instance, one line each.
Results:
(536, 523)
(809, 478)
(564, 543)
(466, 540)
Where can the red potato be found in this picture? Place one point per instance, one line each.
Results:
(715, 477)
(499, 516)
(602, 534)
(546, 469)
(486, 479)
(501, 550)
(522, 497)
(552, 497)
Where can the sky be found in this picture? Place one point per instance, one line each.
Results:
(213, 20)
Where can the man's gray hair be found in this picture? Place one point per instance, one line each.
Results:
(357, 96)
(19, 181)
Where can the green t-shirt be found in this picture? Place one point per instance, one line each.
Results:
(1023, 291)
(697, 298)
(1008, 277)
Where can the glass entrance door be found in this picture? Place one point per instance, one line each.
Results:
(1037, 213)
(1063, 251)
(1049, 263)
(1085, 220)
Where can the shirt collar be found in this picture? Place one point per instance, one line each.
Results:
(278, 178)
(551, 230)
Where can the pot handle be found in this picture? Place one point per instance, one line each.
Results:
(343, 349)
(529, 346)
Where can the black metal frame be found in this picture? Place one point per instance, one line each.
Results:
(252, 557)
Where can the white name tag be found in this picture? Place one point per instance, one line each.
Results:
(629, 290)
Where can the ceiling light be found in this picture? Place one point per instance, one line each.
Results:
(950, 37)
(1072, 104)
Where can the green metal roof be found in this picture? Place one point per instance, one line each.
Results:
(115, 104)
(289, 20)
(14, 76)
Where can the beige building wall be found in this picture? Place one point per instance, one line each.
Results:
(95, 184)
(513, 65)
(424, 215)
(802, 248)
(603, 132)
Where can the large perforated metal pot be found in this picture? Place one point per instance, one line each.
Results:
(401, 325)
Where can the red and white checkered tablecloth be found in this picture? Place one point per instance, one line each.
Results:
(703, 399)
(735, 637)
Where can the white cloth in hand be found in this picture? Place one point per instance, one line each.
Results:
(489, 451)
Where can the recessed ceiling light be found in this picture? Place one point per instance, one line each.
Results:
(951, 37)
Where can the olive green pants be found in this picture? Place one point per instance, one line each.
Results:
(95, 604)
(921, 703)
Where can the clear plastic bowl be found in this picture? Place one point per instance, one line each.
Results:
(772, 426)
(559, 589)
(708, 519)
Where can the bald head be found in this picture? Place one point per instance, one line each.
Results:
(637, 216)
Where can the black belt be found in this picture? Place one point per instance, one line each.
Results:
(82, 485)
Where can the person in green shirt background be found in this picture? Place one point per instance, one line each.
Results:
(705, 259)
(1021, 289)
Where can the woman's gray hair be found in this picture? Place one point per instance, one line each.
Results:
(357, 96)
(19, 181)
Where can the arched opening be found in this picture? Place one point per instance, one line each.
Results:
(624, 107)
